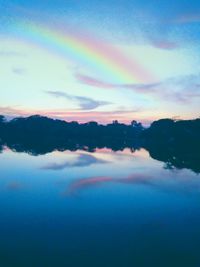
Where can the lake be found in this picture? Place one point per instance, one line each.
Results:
(99, 209)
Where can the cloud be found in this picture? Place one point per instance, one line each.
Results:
(81, 116)
(85, 103)
(5, 53)
(182, 89)
(101, 84)
(93, 82)
(166, 45)
(142, 88)
(83, 160)
(19, 71)
(13, 111)
(187, 18)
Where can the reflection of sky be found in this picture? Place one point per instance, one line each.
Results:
(116, 196)
(71, 167)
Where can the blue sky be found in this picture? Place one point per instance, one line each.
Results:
(163, 36)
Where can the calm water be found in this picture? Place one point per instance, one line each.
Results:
(108, 209)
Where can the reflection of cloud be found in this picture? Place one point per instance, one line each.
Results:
(179, 184)
(83, 160)
(14, 186)
(85, 103)
(85, 183)
(81, 184)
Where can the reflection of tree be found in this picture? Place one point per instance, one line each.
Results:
(2, 121)
(39, 135)
(177, 143)
(176, 158)
(1, 148)
(168, 166)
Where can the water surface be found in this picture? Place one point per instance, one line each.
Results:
(97, 209)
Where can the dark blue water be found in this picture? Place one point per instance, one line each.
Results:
(108, 209)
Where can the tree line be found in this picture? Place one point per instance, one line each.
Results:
(175, 142)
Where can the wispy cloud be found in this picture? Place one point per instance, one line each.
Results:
(18, 70)
(101, 84)
(13, 111)
(187, 18)
(181, 89)
(166, 45)
(88, 80)
(83, 160)
(81, 116)
(6, 53)
(85, 103)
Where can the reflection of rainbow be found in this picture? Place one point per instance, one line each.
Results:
(104, 60)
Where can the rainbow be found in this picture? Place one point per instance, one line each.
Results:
(104, 60)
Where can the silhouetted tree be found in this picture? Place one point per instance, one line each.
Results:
(177, 143)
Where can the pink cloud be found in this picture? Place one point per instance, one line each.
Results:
(166, 45)
(14, 186)
(103, 117)
(188, 18)
(88, 80)
(100, 116)
(94, 82)
(83, 183)
(174, 89)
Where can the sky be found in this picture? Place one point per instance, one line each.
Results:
(100, 60)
